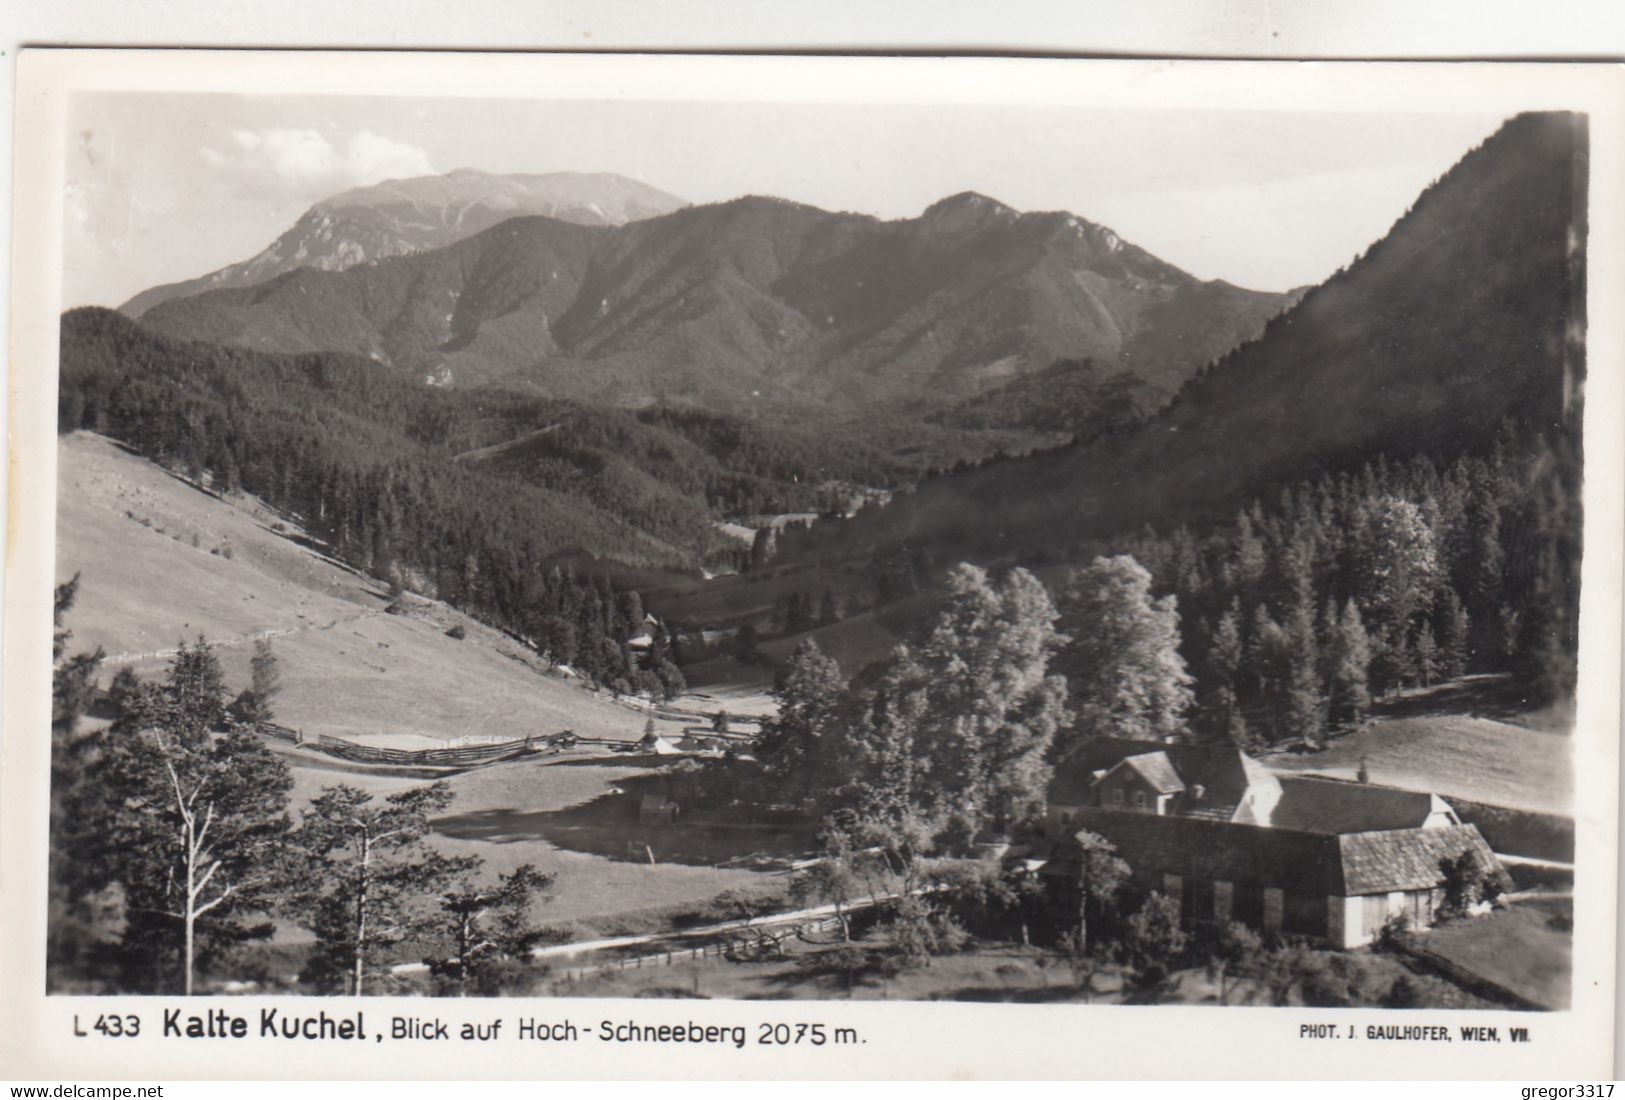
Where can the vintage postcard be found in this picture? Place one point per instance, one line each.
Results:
(654, 566)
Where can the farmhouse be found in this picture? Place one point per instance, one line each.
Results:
(1216, 831)
(1149, 777)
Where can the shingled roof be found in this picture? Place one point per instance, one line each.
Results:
(1334, 806)
(1408, 859)
(1156, 770)
(1224, 773)
(1319, 863)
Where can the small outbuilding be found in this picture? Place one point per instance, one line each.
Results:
(657, 809)
(657, 745)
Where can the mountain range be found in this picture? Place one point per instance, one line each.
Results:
(1196, 395)
(866, 354)
(400, 217)
(751, 302)
(1466, 318)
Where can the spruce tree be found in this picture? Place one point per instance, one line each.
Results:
(1222, 704)
(1303, 707)
(1426, 655)
(369, 880)
(195, 691)
(191, 827)
(73, 679)
(1453, 632)
(1485, 563)
(72, 924)
(1266, 677)
(1248, 556)
(1349, 682)
(253, 705)
(484, 930)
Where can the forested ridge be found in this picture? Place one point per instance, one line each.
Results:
(1382, 490)
(364, 465)
(492, 500)
(643, 483)
(1468, 314)
(1296, 614)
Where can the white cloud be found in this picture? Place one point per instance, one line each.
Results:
(305, 161)
(372, 157)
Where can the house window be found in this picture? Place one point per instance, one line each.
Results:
(1117, 795)
(1139, 800)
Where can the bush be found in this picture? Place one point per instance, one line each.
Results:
(492, 977)
(919, 931)
(850, 962)
(1154, 940)
(248, 708)
(1467, 881)
(457, 632)
(1404, 993)
(1391, 936)
(1320, 986)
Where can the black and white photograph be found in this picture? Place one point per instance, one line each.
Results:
(717, 547)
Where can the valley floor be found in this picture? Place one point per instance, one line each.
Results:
(161, 560)
(151, 552)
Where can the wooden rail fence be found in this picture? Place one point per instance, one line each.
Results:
(281, 733)
(766, 938)
(462, 756)
(465, 755)
(472, 754)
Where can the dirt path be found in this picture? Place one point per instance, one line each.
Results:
(240, 639)
(479, 454)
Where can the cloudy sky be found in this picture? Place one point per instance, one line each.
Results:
(169, 186)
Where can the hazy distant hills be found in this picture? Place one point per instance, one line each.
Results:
(399, 217)
(753, 301)
(1468, 315)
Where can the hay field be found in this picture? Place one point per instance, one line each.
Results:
(142, 542)
(1463, 739)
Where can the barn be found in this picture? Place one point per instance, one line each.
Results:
(1336, 888)
(1216, 831)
